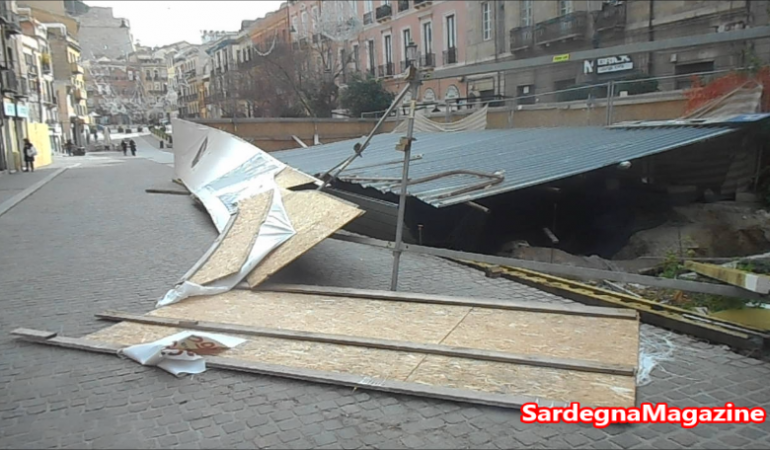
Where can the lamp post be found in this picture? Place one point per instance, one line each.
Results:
(412, 75)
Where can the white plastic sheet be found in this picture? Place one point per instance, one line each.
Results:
(179, 354)
(221, 170)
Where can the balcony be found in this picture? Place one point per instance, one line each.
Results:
(386, 70)
(428, 60)
(189, 74)
(522, 38)
(46, 68)
(384, 13)
(76, 68)
(422, 3)
(12, 24)
(450, 56)
(32, 70)
(406, 64)
(368, 18)
(78, 94)
(562, 28)
(403, 5)
(611, 17)
(10, 83)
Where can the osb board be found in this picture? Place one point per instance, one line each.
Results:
(594, 389)
(289, 178)
(600, 339)
(542, 334)
(314, 216)
(234, 249)
(309, 355)
(552, 384)
(401, 321)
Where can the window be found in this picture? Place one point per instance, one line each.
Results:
(406, 36)
(565, 7)
(314, 19)
(686, 69)
(427, 37)
(526, 13)
(486, 21)
(355, 57)
(368, 5)
(370, 50)
(353, 7)
(450, 31)
(304, 21)
(294, 27)
(388, 45)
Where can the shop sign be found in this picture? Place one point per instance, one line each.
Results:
(608, 65)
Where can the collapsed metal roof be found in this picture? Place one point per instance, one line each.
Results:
(454, 168)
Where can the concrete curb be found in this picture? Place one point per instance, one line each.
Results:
(16, 199)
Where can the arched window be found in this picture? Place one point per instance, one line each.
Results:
(429, 95)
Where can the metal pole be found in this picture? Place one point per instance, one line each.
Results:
(610, 99)
(413, 85)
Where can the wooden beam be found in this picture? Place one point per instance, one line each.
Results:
(745, 280)
(214, 246)
(341, 379)
(511, 305)
(399, 346)
(579, 273)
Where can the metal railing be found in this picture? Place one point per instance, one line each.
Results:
(384, 12)
(421, 3)
(573, 25)
(428, 60)
(385, 70)
(611, 17)
(450, 55)
(403, 5)
(368, 18)
(406, 64)
(522, 38)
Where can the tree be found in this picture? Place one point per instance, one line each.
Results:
(365, 95)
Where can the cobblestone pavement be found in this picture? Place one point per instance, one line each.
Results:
(93, 240)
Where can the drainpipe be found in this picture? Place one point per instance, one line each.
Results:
(650, 37)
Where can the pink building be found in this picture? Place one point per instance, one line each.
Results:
(438, 29)
(383, 29)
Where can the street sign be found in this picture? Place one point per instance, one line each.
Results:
(561, 58)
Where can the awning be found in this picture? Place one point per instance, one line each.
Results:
(458, 167)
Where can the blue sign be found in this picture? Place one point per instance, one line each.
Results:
(19, 110)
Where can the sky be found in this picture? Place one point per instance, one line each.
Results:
(157, 23)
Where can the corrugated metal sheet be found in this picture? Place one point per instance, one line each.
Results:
(527, 157)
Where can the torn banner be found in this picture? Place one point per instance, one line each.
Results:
(181, 353)
(222, 170)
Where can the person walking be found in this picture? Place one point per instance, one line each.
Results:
(69, 147)
(29, 156)
(132, 144)
(124, 146)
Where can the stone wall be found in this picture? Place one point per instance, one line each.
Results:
(102, 34)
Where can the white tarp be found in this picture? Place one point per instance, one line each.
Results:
(221, 170)
(180, 353)
(474, 122)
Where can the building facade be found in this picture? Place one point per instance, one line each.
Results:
(102, 34)
(14, 87)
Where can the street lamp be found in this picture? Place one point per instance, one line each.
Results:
(411, 54)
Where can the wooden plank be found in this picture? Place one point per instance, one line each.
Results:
(355, 381)
(618, 313)
(424, 348)
(736, 277)
(234, 248)
(166, 191)
(567, 271)
(315, 216)
(214, 246)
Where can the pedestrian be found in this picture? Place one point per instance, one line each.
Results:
(69, 147)
(124, 146)
(29, 156)
(132, 144)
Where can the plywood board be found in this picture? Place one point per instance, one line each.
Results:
(234, 248)
(403, 321)
(459, 373)
(595, 389)
(314, 216)
(289, 178)
(556, 335)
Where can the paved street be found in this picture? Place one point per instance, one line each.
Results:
(93, 240)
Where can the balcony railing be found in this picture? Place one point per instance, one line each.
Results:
(422, 3)
(522, 38)
(368, 18)
(403, 5)
(384, 13)
(76, 68)
(450, 56)
(611, 17)
(428, 60)
(386, 70)
(406, 64)
(46, 68)
(568, 26)
(32, 70)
